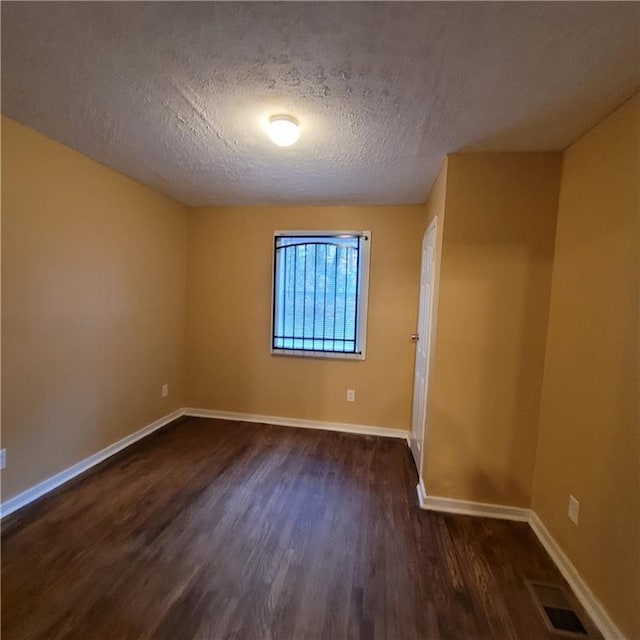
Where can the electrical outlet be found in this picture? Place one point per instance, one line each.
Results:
(3, 458)
(574, 509)
(165, 390)
(351, 395)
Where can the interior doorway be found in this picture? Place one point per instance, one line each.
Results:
(423, 339)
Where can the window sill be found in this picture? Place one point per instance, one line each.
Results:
(323, 355)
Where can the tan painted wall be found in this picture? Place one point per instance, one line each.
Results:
(492, 321)
(229, 313)
(589, 442)
(93, 286)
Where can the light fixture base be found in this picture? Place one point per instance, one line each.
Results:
(283, 130)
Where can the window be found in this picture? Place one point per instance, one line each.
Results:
(320, 285)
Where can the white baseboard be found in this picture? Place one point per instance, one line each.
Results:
(44, 487)
(422, 494)
(587, 599)
(345, 427)
(465, 507)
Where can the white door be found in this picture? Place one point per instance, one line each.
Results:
(423, 338)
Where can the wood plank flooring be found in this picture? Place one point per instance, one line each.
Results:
(224, 530)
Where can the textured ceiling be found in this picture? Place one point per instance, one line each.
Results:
(176, 95)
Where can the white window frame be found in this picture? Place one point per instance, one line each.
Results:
(363, 299)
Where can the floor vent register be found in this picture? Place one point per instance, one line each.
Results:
(557, 612)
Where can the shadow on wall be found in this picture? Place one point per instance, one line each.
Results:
(493, 313)
(480, 484)
(511, 373)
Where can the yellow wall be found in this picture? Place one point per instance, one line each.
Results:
(492, 320)
(229, 313)
(589, 442)
(106, 285)
(93, 287)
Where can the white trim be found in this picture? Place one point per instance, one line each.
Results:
(428, 335)
(586, 597)
(345, 427)
(44, 487)
(422, 494)
(363, 295)
(465, 507)
(331, 355)
(583, 593)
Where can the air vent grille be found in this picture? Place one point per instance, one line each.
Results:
(557, 612)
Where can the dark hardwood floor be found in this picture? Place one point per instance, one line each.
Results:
(213, 529)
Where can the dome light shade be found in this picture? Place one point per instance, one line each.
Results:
(283, 130)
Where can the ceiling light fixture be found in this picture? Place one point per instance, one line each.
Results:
(283, 130)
